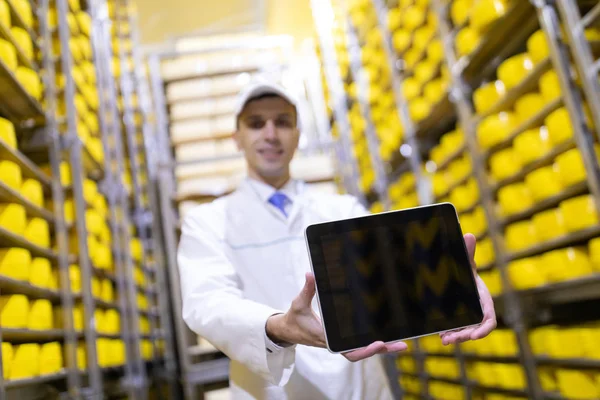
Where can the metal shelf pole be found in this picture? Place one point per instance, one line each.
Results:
(127, 91)
(159, 265)
(575, 27)
(559, 55)
(161, 290)
(58, 197)
(165, 191)
(423, 186)
(460, 94)
(353, 48)
(321, 12)
(74, 147)
(110, 134)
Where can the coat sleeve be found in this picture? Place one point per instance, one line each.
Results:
(214, 307)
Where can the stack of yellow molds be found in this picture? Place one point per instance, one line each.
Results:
(382, 103)
(416, 40)
(30, 359)
(403, 192)
(572, 383)
(20, 43)
(84, 75)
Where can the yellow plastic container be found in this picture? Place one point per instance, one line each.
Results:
(520, 235)
(422, 36)
(5, 19)
(460, 10)
(7, 357)
(514, 70)
(492, 281)
(549, 224)
(103, 257)
(486, 12)
(30, 81)
(81, 356)
(10, 174)
(78, 318)
(543, 183)
(400, 39)
(589, 338)
(23, 40)
(13, 218)
(440, 183)
(495, 128)
(485, 253)
(467, 40)
(537, 47)
(105, 235)
(99, 321)
(550, 86)
(93, 221)
(526, 274)
(75, 278)
(488, 95)
(38, 232)
(84, 22)
(90, 190)
(529, 105)
(51, 359)
(32, 190)
(14, 311)
(564, 264)
(532, 144)
(15, 263)
(40, 315)
(559, 126)
(7, 133)
(577, 384)
(434, 90)
(96, 287)
(40, 273)
(107, 292)
(411, 88)
(579, 213)
(413, 17)
(117, 352)
(103, 350)
(547, 379)
(419, 108)
(112, 321)
(505, 163)
(435, 51)
(26, 361)
(514, 198)
(8, 55)
(136, 249)
(570, 167)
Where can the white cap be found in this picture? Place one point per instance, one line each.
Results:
(261, 88)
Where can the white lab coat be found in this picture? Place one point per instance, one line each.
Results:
(241, 261)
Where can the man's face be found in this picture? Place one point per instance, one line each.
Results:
(268, 135)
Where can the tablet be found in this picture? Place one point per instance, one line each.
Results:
(392, 276)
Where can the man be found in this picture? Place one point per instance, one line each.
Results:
(245, 276)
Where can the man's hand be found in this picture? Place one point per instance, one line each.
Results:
(300, 325)
(489, 314)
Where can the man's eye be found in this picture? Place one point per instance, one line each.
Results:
(284, 123)
(256, 124)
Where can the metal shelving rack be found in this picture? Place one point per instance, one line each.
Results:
(48, 138)
(337, 97)
(381, 179)
(467, 73)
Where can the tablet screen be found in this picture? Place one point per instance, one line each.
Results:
(393, 276)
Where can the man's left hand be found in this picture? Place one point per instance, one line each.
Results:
(489, 314)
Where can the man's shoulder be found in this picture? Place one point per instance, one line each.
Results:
(207, 213)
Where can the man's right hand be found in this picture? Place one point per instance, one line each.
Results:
(300, 325)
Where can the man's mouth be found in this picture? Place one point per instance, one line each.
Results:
(271, 154)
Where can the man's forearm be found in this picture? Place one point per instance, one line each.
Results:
(276, 330)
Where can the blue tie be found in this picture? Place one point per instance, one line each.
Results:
(278, 200)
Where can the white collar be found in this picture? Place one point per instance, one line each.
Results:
(265, 191)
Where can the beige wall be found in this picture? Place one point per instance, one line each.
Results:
(162, 19)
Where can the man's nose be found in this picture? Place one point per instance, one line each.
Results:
(270, 131)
